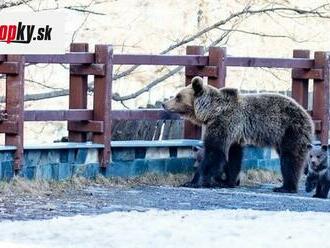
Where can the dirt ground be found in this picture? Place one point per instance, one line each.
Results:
(25, 200)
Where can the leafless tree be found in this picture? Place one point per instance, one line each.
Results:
(321, 12)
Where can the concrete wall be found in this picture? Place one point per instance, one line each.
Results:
(129, 158)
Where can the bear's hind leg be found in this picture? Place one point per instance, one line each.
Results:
(323, 189)
(233, 167)
(291, 167)
(326, 189)
(318, 192)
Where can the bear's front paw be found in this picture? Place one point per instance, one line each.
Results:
(201, 183)
(284, 190)
(230, 186)
(320, 196)
(190, 185)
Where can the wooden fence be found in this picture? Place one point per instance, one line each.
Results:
(97, 121)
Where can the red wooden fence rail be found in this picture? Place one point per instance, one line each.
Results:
(185, 60)
(100, 64)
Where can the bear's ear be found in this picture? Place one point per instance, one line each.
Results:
(324, 147)
(230, 92)
(197, 85)
(309, 146)
(197, 148)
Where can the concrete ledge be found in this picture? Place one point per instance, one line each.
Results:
(157, 143)
(62, 145)
(130, 143)
(7, 148)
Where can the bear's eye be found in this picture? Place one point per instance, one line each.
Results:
(178, 97)
(318, 156)
(310, 156)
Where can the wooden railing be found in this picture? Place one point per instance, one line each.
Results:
(100, 64)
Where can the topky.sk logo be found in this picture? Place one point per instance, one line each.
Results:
(32, 33)
(21, 33)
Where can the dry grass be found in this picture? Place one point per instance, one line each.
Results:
(19, 185)
(253, 177)
(150, 179)
(42, 187)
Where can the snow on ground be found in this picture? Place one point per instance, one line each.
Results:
(179, 228)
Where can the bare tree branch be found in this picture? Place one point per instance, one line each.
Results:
(83, 10)
(42, 84)
(79, 8)
(74, 35)
(10, 4)
(245, 12)
(263, 34)
(155, 82)
(41, 96)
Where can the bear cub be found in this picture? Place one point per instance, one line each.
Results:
(199, 154)
(318, 171)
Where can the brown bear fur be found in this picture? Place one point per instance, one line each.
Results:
(233, 120)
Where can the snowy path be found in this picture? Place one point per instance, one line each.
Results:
(178, 228)
(165, 217)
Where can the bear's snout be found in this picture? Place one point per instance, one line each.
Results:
(314, 165)
(169, 105)
(165, 105)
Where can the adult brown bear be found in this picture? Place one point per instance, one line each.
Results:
(233, 120)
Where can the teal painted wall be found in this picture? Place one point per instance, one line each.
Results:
(60, 163)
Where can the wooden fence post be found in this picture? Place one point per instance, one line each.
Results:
(321, 95)
(15, 109)
(78, 93)
(102, 100)
(217, 57)
(300, 86)
(192, 131)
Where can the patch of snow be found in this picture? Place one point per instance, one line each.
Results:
(134, 191)
(156, 228)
